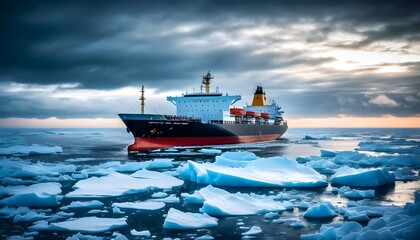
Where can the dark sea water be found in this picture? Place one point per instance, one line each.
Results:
(87, 148)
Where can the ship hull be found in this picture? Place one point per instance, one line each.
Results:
(150, 134)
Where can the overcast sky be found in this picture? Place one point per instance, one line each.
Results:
(87, 59)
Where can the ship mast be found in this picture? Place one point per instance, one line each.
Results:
(142, 100)
(206, 81)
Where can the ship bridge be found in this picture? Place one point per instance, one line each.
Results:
(207, 106)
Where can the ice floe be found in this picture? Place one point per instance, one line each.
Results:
(262, 172)
(176, 219)
(15, 167)
(36, 195)
(362, 177)
(401, 146)
(117, 184)
(139, 205)
(79, 204)
(145, 233)
(30, 149)
(219, 202)
(82, 225)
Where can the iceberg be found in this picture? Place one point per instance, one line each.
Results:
(263, 172)
(218, 202)
(185, 220)
(328, 153)
(117, 184)
(362, 177)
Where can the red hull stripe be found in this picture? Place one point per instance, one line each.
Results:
(144, 144)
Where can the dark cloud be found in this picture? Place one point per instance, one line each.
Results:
(168, 46)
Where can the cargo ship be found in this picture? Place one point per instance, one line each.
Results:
(206, 118)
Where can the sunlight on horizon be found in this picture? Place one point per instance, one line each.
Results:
(330, 122)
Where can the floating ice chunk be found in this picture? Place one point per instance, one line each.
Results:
(205, 237)
(362, 177)
(117, 184)
(36, 195)
(78, 204)
(82, 225)
(210, 151)
(96, 211)
(79, 236)
(360, 217)
(170, 199)
(182, 220)
(297, 224)
(140, 205)
(359, 193)
(118, 236)
(304, 205)
(328, 153)
(253, 231)
(323, 166)
(240, 156)
(18, 168)
(16, 181)
(117, 210)
(263, 172)
(308, 158)
(321, 210)
(405, 174)
(337, 232)
(144, 233)
(32, 149)
(159, 195)
(271, 215)
(30, 217)
(219, 202)
(157, 179)
(82, 175)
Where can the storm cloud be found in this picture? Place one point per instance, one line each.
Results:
(316, 59)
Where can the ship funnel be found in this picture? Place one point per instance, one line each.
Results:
(259, 97)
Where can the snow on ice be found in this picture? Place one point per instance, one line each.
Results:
(140, 205)
(262, 172)
(79, 204)
(185, 220)
(219, 202)
(82, 225)
(362, 177)
(117, 184)
(36, 195)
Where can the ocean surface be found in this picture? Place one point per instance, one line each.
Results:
(68, 156)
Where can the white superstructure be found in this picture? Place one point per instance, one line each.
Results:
(207, 106)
